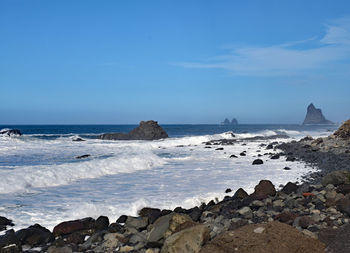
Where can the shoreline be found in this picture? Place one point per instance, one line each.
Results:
(316, 210)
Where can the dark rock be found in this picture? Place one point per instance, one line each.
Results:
(286, 217)
(264, 189)
(4, 222)
(74, 238)
(336, 178)
(344, 130)
(153, 245)
(34, 235)
(101, 223)
(151, 213)
(257, 162)
(274, 157)
(314, 116)
(179, 209)
(68, 227)
(344, 189)
(195, 213)
(82, 156)
(115, 228)
(237, 224)
(240, 194)
(122, 219)
(10, 132)
(219, 149)
(138, 223)
(243, 153)
(78, 139)
(228, 190)
(289, 188)
(343, 205)
(305, 221)
(165, 212)
(147, 130)
(290, 159)
(270, 146)
(233, 156)
(287, 168)
(8, 239)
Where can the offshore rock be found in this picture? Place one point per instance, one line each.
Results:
(9, 132)
(314, 116)
(147, 130)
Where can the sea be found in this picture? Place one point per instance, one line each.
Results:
(43, 182)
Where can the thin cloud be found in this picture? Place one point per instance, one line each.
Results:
(291, 58)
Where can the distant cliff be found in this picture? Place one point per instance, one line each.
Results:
(314, 116)
(228, 122)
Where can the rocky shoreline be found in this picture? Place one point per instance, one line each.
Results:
(310, 217)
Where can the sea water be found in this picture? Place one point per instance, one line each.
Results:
(43, 182)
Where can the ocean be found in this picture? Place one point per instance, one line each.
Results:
(43, 182)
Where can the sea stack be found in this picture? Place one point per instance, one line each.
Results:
(228, 122)
(314, 116)
(147, 130)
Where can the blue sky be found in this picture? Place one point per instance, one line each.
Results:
(120, 62)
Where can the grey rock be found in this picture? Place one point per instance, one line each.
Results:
(136, 222)
(314, 116)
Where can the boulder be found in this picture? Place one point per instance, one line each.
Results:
(35, 235)
(68, 227)
(136, 222)
(343, 205)
(314, 116)
(336, 178)
(9, 238)
(337, 240)
(263, 190)
(257, 162)
(151, 213)
(102, 223)
(289, 188)
(344, 189)
(147, 130)
(273, 237)
(4, 222)
(344, 130)
(240, 194)
(188, 240)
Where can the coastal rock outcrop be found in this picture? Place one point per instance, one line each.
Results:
(9, 132)
(314, 116)
(344, 130)
(228, 122)
(147, 130)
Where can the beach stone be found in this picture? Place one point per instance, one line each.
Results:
(344, 189)
(34, 235)
(286, 217)
(112, 240)
(246, 212)
(275, 157)
(263, 190)
(188, 240)
(343, 206)
(290, 159)
(233, 156)
(74, 238)
(64, 249)
(68, 227)
(290, 188)
(240, 194)
(151, 213)
(270, 146)
(136, 222)
(122, 219)
(336, 178)
(115, 227)
(243, 153)
(305, 221)
(257, 162)
(286, 168)
(102, 223)
(275, 238)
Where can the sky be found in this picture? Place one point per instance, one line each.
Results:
(120, 62)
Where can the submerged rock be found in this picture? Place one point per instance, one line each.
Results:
(314, 116)
(9, 132)
(147, 130)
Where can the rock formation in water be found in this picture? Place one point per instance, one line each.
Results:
(147, 130)
(9, 132)
(314, 116)
(228, 122)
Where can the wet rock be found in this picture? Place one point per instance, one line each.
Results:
(219, 149)
(290, 159)
(187, 240)
(10, 132)
(78, 139)
(287, 168)
(147, 130)
(35, 235)
(68, 227)
(243, 153)
(270, 146)
(4, 222)
(122, 219)
(228, 190)
(246, 240)
(115, 227)
(275, 157)
(263, 190)
(82, 156)
(257, 162)
(195, 213)
(233, 156)
(151, 213)
(9, 238)
(101, 223)
(290, 188)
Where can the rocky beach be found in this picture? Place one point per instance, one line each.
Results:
(312, 215)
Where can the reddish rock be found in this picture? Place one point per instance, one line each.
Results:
(308, 194)
(264, 189)
(286, 217)
(68, 227)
